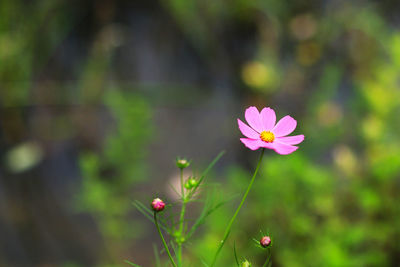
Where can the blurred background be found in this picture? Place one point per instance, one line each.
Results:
(97, 98)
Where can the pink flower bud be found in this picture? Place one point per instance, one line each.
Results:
(265, 241)
(157, 204)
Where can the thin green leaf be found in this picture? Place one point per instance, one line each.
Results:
(143, 207)
(209, 167)
(234, 253)
(173, 188)
(131, 263)
(148, 213)
(173, 247)
(156, 256)
(204, 262)
(202, 218)
(268, 260)
(208, 209)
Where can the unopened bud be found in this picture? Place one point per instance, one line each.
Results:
(157, 204)
(190, 183)
(182, 163)
(265, 241)
(245, 263)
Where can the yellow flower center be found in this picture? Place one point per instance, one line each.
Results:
(267, 136)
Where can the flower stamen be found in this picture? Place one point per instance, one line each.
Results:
(267, 136)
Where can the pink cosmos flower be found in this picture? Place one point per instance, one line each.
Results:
(263, 132)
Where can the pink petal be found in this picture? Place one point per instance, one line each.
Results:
(284, 149)
(267, 145)
(291, 140)
(285, 126)
(247, 131)
(253, 144)
(253, 119)
(268, 118)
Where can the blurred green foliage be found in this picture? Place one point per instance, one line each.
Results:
(22, 53)
(110, 175)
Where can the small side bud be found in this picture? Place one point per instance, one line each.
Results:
(190, 183)
(265, 241)
(157, 205)
(245, 263)
(182, 163)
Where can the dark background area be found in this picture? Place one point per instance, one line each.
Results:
(97, 98)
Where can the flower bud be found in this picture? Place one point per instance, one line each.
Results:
(190, 183)
(265, 241)
(245, 263)
(182, 163)
(157, 205)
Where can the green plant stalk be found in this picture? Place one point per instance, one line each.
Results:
(182, 186)
(228, 228)
(163, 240)
(181, 220)
(180, 240)
(266, 263)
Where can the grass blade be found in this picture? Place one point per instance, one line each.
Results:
(205, 172)
(148, 213)
(234, 253)
(131, 263)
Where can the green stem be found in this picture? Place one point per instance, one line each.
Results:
(182, 186)
(163, 240)
(181, 235)
(267, 260)
(181, 220)
(228, 228)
